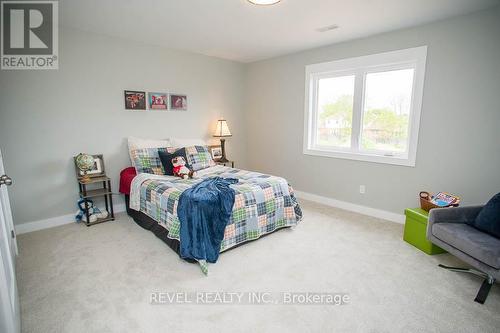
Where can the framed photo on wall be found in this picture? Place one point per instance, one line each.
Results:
(157, 101)
(135, 100)
(178, 102)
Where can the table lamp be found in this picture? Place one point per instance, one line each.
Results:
(222, 131)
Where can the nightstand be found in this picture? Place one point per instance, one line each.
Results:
(225, 163)
(102, 190)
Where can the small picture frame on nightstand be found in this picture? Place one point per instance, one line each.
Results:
(216, 152)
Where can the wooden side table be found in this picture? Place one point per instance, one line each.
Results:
(103, 191)
(224, 163)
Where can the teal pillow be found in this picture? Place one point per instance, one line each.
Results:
(488, 219)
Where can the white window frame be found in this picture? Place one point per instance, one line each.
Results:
(359, 67)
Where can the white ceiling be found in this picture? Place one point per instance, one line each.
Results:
(240, 31)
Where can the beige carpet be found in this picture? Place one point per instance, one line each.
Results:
(99, 279)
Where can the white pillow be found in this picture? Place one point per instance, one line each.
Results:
(138, 143)
(179, 143)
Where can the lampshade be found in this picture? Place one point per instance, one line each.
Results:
(222, 129)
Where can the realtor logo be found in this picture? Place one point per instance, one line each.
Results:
(29, 35)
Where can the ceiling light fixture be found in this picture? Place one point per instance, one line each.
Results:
(264, 2)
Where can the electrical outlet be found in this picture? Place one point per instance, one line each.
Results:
(362, 189)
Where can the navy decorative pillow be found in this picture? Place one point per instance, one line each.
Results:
(166, 160)
(488, 219)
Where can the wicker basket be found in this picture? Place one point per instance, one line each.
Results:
(427, 205)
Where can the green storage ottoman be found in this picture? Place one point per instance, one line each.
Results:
(416, 229)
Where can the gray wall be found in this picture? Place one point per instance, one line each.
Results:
(459, 141)
(46, 117)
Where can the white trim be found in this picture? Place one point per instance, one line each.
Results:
(373, 212)
(367, 157)
(54, 222)
(414, 58)
(44, 224)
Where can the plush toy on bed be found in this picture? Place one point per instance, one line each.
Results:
(180, 169)
(94, 212)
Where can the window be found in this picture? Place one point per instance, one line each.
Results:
(366, 108)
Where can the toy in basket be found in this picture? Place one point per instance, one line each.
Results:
(440, 200)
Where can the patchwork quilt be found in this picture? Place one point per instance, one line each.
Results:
(263, 203)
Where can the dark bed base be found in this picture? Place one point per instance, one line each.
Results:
(148, 223)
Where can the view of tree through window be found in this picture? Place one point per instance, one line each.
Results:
(335, 106)
(387, 110)
(366, 108)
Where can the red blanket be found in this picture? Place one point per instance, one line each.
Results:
(126, 177)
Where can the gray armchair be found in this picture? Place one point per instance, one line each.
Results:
(447, 229)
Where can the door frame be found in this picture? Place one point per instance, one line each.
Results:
(10, 320)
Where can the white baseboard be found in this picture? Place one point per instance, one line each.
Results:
(378, 213)
(374, 212)
(54, 221)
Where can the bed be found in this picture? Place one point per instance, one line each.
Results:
(263, 204)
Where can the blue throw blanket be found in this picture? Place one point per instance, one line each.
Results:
(204, 211)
